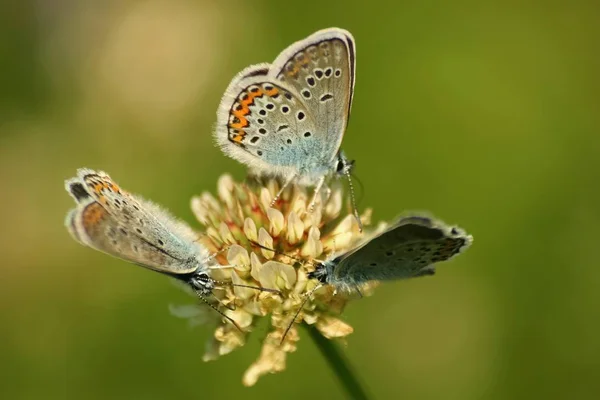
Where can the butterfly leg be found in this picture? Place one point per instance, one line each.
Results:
(313, 202)
(283, 187)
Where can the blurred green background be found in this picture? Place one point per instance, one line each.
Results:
(485, 113)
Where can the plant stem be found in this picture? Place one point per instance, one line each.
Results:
(338, 363)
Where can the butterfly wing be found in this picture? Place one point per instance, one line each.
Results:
(263, 123)
(321, 69)
(111, 220)
(407, 249)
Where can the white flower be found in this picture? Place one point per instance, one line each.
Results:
(290, 240)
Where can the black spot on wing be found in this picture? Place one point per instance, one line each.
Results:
(78, 191)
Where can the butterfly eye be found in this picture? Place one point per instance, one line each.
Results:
(202, 283)
(200, 280)
(340, 166)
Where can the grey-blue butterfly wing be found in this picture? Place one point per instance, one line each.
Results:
(407, 249)
(321, 68)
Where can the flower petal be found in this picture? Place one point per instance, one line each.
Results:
(265, 240)
(204, 207)
(276, 275)
(240, 316)
(255, 307)
(331, 327)
(276, 220)
(299, 202)
(229, 337)
(225, 233)
(237, 256)
(250, 230)
(214, 234)
(273, 187)
(295, 228)
(334, 204)
(272, 360)
(313, 247)
(265, 198)
(314, 218)
(365, 217)
(211, 350)
(242, 293)
(225, 190)
(256, 266)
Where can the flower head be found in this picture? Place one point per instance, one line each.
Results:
(275, 248)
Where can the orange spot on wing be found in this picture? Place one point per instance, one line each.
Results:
(304, 59)
(241, 114)
(293, 72)
(243, 122)
(98, 187)
(93, 214)
(272, 92)
(239, 137)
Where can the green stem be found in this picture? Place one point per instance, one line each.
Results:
(338, 363)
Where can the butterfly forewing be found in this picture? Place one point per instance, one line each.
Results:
(321, 69)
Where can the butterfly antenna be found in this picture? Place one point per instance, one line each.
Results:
(353, 199)
(361, 186)
(219, 311)
(262, 289)
(308, 295)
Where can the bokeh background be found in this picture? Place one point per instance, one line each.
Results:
(485, 113)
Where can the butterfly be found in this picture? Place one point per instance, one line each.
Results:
(408, 248)
(287, 119)
(113, 221)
